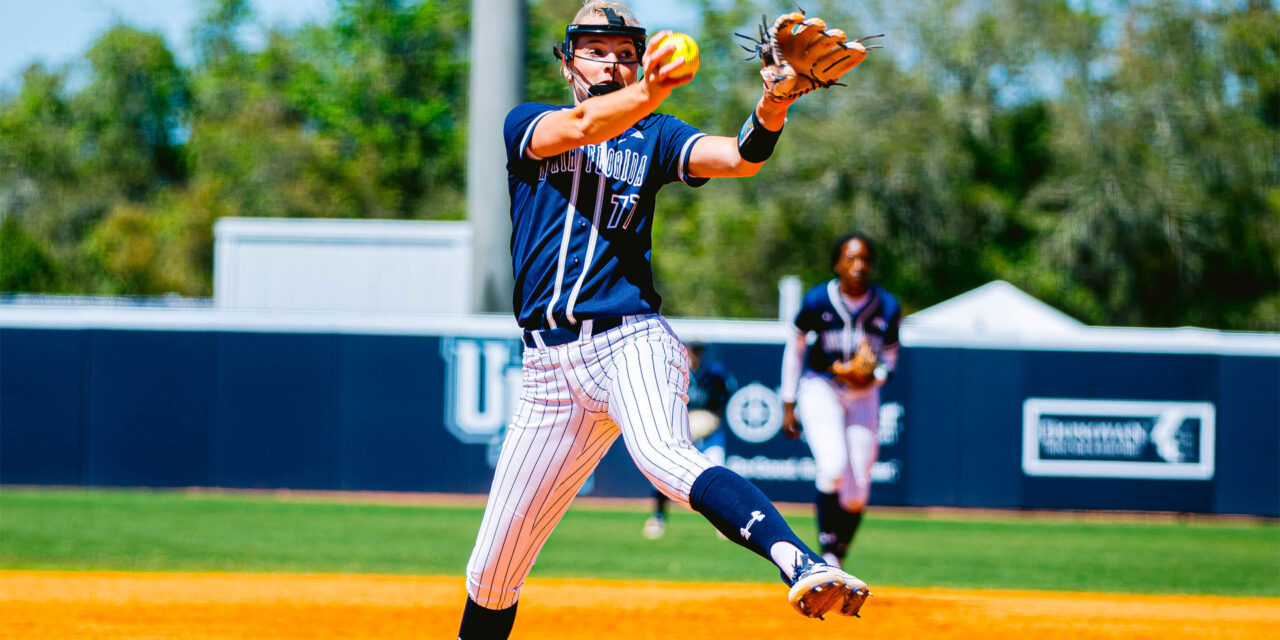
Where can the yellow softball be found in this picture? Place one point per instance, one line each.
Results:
(685, 47)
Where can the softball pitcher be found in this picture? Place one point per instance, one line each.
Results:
(599, 360)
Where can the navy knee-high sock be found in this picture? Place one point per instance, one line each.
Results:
(742, 513)
(660, 503)
(479, 623)
(836, 525)
(829, 530)
(854, 519)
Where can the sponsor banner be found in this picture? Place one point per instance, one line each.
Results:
(482, 380)
(754, 415)
(483, 384)
(800, 469)
(1066, 437)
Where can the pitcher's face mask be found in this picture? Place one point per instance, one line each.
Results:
(612, 29)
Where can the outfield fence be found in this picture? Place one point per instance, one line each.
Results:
(1130, 419)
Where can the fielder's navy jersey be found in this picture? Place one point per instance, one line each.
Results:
(840, 329)
(710, 387)
(582, 221)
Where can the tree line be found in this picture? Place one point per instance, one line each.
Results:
(1121, 163)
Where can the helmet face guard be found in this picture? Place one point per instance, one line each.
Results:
(615, 27)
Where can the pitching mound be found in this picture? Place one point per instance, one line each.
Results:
(267, 607)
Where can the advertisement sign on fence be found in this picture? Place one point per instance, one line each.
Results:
(1117, 439)
(482, 387)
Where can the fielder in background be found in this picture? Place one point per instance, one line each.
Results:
(710, 387)
(599, 361)
(837, 397)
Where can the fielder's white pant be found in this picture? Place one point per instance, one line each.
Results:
(576, 399)
(842, 429)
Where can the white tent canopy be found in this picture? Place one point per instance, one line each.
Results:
(995, 308)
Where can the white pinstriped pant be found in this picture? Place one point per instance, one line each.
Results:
(576, 399)
(841, 427)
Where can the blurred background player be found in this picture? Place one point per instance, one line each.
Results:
(710, 387)
(599, 361)
(838, 408)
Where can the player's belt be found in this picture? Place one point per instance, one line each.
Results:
(565, 335)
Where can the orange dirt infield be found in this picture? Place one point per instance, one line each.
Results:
(268, 607)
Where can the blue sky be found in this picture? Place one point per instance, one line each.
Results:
(59, 31)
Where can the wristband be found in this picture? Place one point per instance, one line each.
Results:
(755, 143)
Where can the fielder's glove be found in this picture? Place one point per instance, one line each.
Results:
(799, 55)
(859, 370)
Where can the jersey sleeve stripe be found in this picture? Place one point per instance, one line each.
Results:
(523, 149)
(683, 167)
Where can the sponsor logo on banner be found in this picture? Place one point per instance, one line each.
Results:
(801, 469)
(754, 413)
(482, 379)
(1117, 439)
(890, 424)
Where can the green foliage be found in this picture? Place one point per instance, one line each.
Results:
(386, 83)
(24, 265)
(546, 21)
(1121, 167)
(119, 183)
(169, 531)
(1117, 160)
(1161, 204)
(132, 110)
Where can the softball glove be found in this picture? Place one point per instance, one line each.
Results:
(859, 370)
(798, 55)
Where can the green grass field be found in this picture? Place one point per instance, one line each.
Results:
(74, 529)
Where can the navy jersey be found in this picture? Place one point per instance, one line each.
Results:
(710, 387)
(840, 329)
(582, 221)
